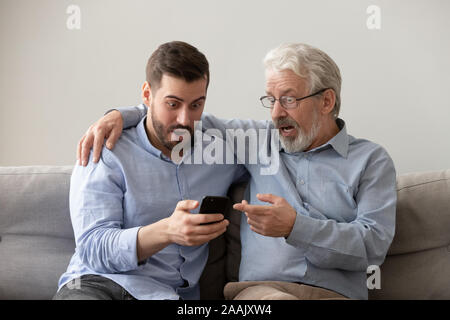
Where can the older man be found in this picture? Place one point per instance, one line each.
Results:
(311, 229)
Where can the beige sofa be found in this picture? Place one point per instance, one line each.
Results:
(36, 237)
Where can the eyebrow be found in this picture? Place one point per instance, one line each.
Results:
(182, 100)
(283, 93)
(173, 97)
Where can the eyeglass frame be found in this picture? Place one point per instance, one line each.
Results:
(296, 99)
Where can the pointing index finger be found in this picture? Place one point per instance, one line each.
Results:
(267, 197)
(250, 208)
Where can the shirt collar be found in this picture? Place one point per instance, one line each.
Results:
(340, 141)
(144, 141)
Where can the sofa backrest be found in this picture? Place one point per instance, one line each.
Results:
(36, 234)
(418, 261)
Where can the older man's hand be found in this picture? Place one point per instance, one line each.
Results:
(108, 127)
(275, 220)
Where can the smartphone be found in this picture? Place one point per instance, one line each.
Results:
(214, 204)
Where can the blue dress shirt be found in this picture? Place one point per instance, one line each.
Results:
(345, 196)
(132, 186)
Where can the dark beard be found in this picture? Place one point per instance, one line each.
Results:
(162, 135)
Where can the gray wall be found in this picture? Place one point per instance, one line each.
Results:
(55, 82)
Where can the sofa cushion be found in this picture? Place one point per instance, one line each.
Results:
(213, 278)
(233, 236)
(418, 275)
(30, 266)
(423, 212)
(224, 253)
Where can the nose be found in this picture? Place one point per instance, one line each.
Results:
(183, 117)
(278, 111)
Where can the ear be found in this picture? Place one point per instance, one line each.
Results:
(146, 93)
(329, 99)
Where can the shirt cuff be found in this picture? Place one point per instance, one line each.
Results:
(303, 231)
(127, 248)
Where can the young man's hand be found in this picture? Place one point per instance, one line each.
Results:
(189, 229)
(182, 227)
(108, 127)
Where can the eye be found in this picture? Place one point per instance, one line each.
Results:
(288, 100)
(197, 105)
(172, 103)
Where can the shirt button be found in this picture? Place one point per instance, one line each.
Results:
(302, 182)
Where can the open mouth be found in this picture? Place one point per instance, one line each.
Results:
(286, 130)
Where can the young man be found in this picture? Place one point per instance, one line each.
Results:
(131, 212)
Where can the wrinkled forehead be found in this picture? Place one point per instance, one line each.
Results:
(284, 81)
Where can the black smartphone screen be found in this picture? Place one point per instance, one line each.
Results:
(214, 204)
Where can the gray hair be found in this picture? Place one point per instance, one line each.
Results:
(312, 64)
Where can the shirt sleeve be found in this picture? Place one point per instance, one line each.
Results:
(131, 115)
(365, 241)
(96, 194)
(211, 122)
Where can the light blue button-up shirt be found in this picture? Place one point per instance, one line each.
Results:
(345, 196)
(132, 186)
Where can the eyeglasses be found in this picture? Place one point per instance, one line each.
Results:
(286, 101)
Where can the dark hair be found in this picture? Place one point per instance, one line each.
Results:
(178, 59)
